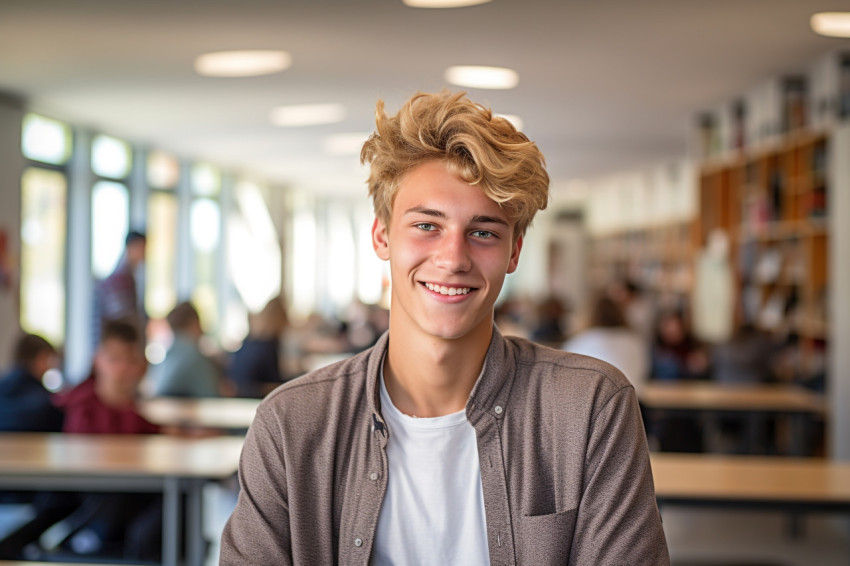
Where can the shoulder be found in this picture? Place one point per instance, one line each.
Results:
(81, 394)
(14, 380)
(341, 384)
(543, 362)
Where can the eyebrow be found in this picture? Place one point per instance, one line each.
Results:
(478, 219)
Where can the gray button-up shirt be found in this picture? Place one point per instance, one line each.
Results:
(564, 465)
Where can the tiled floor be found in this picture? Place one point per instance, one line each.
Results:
(708, 537)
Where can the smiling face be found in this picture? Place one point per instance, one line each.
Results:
(449, 248)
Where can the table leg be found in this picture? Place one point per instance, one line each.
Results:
(195, 542)
(171, 522)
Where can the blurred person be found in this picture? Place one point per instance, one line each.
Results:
(185, 371)
(549, 329)
(611, 339)
(256, 365)
(637, 308)
(116, 297)
(747, 357)
(375, 459)
(25, 405)
(362, 327)
(105, 403)
(511, 317)
(676, 354)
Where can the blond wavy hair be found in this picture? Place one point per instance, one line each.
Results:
(482, 149)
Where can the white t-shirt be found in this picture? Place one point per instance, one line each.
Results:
(433, 512)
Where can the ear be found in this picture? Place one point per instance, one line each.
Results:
(380, 240)
(514, 261)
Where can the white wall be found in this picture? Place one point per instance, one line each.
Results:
(11, 169)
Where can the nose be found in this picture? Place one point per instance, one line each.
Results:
(453, 253)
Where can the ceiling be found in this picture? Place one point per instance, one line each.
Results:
(604, 86)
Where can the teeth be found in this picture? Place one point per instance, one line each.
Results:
(450, 291)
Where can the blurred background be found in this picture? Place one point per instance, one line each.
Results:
(700, 190)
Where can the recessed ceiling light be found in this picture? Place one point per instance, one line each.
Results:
(831, 24)
(513, 119)
(482, 77)
(307, 114)
(443, 3)
(345, 144)
(245, 63)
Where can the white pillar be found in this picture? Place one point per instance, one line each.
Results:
(80, 291)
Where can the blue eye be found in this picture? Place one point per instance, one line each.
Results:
(483, 234)
(426, 226)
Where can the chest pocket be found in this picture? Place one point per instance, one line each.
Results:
(546, 539)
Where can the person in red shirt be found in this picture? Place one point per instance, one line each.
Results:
(105, 403)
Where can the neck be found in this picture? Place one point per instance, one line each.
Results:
(432, 377)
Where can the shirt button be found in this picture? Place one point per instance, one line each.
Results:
(358, 542)
(373, 476)
(498, 409)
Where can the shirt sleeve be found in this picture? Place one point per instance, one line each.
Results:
(258, 532)
(618, 520)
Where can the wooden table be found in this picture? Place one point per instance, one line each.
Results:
(169, 465)
(793, 484)
(753, 402)
(228, 413)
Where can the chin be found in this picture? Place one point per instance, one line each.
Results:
(453, 332)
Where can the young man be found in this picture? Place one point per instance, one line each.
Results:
(105, 402)
(447, 443)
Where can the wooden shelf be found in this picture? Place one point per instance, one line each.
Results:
(659, 258)
(772, 204)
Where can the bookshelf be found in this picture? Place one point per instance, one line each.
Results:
(659, 257)
(772, 204)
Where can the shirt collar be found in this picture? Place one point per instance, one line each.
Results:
(489, 392)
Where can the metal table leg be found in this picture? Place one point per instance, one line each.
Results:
(171, 522)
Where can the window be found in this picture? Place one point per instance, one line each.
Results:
(110, 223)
(204, 225)
(161, 254)
(254, 251)
(48, 144)
(339, 252)
(163, 176)
(163, 171)
(303, 251)
(205, 232)
(371, 271)
(43, 213)
(110, 157)
(206, 180)
(46, 140)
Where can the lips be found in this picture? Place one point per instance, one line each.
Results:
(448, 290)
